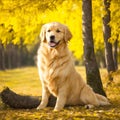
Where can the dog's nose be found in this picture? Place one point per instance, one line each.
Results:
(52, 37)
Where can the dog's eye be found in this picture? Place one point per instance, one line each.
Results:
(48, 30)
(58, 31)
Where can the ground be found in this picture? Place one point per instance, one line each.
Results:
(25, 81)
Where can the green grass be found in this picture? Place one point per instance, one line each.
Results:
(26, 81)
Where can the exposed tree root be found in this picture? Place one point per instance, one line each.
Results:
(23, 102)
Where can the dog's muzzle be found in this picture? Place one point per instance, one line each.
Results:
(52, 42)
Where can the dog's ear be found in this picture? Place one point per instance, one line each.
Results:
(68, 34)
(42, 33)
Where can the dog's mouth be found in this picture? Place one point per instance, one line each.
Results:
(53, 43)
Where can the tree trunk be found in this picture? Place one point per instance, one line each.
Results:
(18, 57)
(92, 71)
(115, 54)
(8, 51)
(100, 57)
(2, 57)
(107, 35)
(14, 60)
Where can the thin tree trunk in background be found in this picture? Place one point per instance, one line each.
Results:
(115, 54)
(14, 56)
(9, 56)
(92, 71)
(100, 57)
(107, 34)
(2, 57)
(18, 57)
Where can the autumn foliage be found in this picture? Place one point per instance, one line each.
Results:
(20, 21)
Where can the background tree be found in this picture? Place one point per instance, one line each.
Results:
(92, 71)
(115, 30)
(115, 54)
(2, 60)
(107, 34)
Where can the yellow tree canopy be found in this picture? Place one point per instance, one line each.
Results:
(24, 18)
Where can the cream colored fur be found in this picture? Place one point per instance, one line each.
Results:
(57, 72)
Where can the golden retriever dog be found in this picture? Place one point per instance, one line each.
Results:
(57, 72)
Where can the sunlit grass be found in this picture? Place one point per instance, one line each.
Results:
(21, 80)
(26, 81)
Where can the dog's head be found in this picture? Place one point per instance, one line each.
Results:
(55, 33)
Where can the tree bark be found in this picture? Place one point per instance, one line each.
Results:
(115, 54)
(14, 56)
(8, 53)
(23, 102)
(100, 57)
(107, 35)
(2, 57)
(92, 71)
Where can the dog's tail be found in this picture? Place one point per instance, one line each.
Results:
(102, 100)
